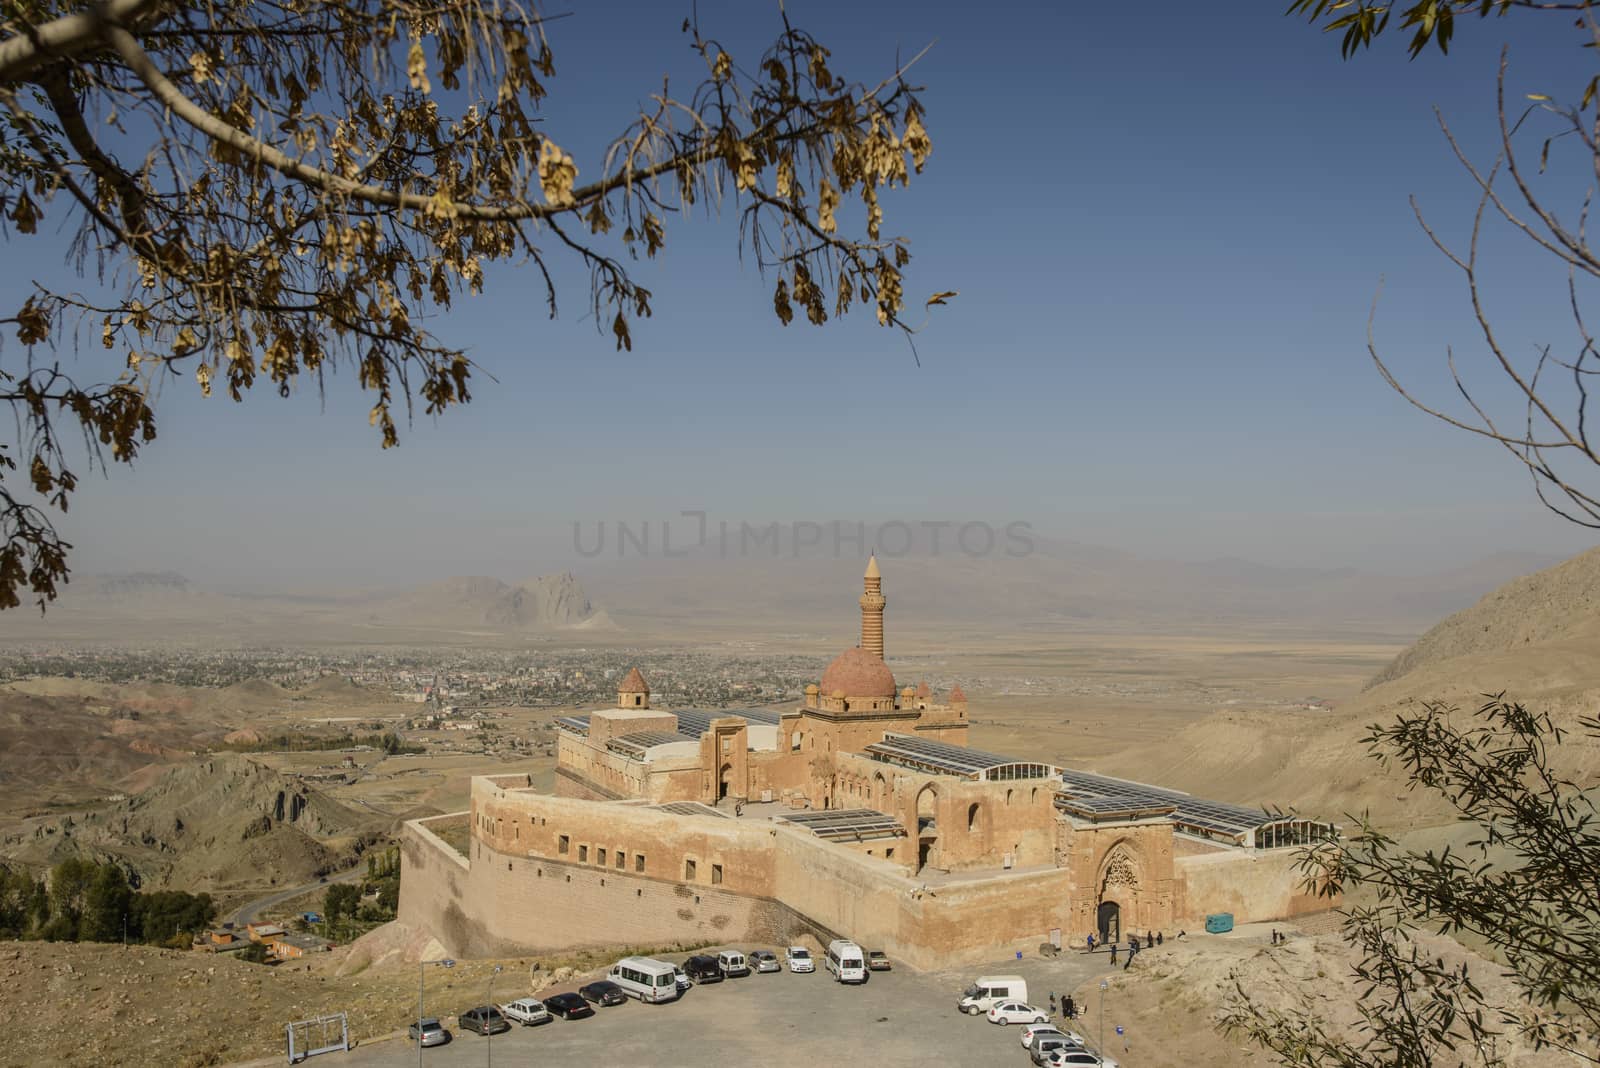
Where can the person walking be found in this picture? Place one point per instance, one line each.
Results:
(1113, 954)
(1149, 940)
(1090, 941)
(1069, 1008)
(1159, 938)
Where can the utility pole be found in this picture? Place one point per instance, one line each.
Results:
(488, 1026)
(1104, 986)
(422, 975)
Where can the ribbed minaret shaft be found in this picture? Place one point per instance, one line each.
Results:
(872, 602)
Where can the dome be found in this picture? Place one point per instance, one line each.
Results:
(857, 673)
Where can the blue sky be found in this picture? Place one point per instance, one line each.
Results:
(1166, 222)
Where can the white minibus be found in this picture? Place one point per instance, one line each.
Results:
(646, 978)
(846, 961)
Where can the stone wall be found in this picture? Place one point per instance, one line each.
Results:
(1254, 885)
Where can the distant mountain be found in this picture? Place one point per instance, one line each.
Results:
(545, 603)
(102, 607)
(717, 591)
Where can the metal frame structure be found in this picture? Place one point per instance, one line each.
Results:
(1093, 796)
(634, 746)
(689, 808)
(302, 1043)
(856, 824)
(941, 758)
(578, 725)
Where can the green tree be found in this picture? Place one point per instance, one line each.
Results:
(295, 189)
(341, 899)
(1524, 885)
(105, 905)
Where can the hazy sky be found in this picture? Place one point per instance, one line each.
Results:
(1166, 222)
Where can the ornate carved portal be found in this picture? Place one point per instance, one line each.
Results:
(1118, 893)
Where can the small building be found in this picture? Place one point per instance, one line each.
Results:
(294, 946)
(266, 933)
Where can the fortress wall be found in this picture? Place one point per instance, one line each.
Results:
(1254, 886)
(436, 893)
(977, 921)
(659, 845)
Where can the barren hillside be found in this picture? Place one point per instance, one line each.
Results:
(216, 823)
(1557, 604)
(1532, 639)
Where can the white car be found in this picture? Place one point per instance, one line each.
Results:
(799, 959)
(1010, 1012)
(1033, 1031)
(1067, 1057)
(528, 1011)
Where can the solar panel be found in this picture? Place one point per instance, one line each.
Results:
(1187, 811)
(578, 725)
(924, 754)
(693, 722)
(846, 823)
(637, 744)
(690, 808)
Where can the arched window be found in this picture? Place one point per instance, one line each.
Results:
(972, 817)
(1008, 797)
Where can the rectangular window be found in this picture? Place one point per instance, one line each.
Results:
(600, 857)
(622, 860)
(638, 862)
(583, 854)
(716, 874)
(688, 871)
(563, 844)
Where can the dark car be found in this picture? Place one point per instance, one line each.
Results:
(878, 961)
(485, 1019)
(603, 992)
(703, 969)
(568, 1006)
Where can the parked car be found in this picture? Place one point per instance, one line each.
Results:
(603, 992)
(733, 964)
(1044, 1046)
(684, 982)
(485, 1019)
(1010, 1012)
(569, 1006)
(764, 960)
(526, 1011)
(431, 1030)
(703, 969)
(799, 959)
(1033, 1031)
(1067, 1057)
(877, 961)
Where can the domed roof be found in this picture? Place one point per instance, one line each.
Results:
(857, 673)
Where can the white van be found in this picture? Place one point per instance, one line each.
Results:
(846, 961)
(982, 995)
(646, 978)
(732, 964)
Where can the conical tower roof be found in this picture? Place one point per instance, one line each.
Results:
(634, 683)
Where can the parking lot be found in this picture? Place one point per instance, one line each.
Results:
(897, 1018)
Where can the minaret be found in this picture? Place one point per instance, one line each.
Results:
(872, 602)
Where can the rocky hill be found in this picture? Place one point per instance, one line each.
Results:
(214, 823)
(1557, 604)
(1533, 639)
(547, 602)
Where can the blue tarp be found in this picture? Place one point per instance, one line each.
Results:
(1219, 923)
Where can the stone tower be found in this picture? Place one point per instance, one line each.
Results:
(872, 602)
(634, 691)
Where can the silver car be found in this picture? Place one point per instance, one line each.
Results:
(763, 960)
(431, 1030)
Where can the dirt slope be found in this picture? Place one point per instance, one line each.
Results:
(1534, 640)
(216, 823)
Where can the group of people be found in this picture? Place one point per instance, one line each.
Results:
(1151, 941)
(1069, 1008)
